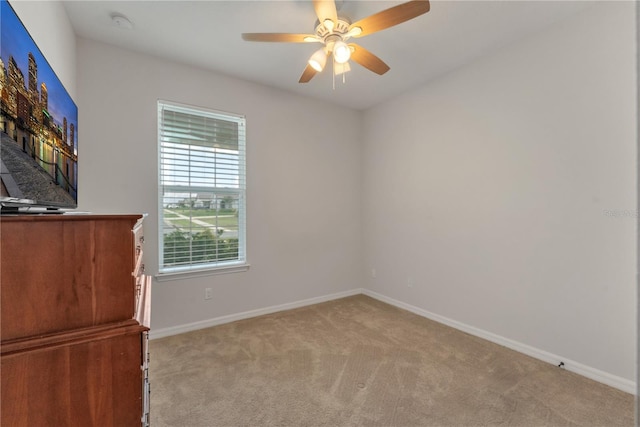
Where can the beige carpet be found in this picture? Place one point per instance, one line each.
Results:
(360, 362)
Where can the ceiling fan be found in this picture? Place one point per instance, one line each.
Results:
(334, 32)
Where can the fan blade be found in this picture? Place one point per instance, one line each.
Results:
(280, 37)
(367, 59)
(326, 9)
(390, 17)
(307, 74)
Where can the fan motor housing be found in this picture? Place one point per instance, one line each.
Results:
(340, 29)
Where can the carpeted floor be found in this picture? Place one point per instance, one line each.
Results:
(360, 362)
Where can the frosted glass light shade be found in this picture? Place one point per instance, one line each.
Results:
(341, 52)
(318, 60)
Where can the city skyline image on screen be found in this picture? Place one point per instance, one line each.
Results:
(38, 124)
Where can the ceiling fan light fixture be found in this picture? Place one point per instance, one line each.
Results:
(318, 59)
(341, 52)
(334, 31)
(328, 24)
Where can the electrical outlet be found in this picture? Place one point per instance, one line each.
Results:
(410, 282)
(208, 293)
(373, 273)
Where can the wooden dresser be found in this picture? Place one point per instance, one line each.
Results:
(75, 307)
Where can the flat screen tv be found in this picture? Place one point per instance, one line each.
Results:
(38, 125)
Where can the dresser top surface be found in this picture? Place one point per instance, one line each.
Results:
(68, 217)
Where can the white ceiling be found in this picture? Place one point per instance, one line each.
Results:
(207, 34)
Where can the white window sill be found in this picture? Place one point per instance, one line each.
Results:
(194, 272)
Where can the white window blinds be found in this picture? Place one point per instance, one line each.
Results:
(201, 188)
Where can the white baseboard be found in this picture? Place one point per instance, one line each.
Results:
(570, 365)
(181, 329)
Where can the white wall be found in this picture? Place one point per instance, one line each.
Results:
(48, 24)
(303, 179)
(490, 189)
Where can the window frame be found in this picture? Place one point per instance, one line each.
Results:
(196, 269)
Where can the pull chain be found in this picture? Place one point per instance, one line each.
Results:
(334, 72)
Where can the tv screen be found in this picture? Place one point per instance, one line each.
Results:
(38, 124)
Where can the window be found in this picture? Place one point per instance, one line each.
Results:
(201, 189)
